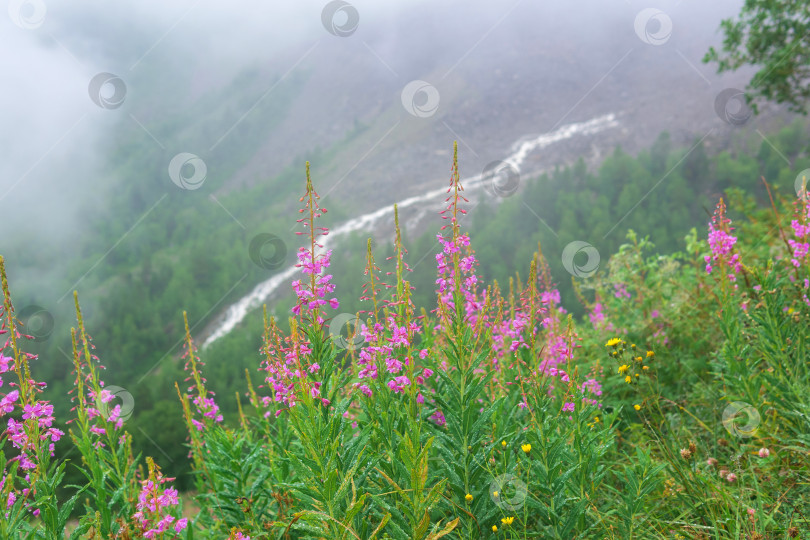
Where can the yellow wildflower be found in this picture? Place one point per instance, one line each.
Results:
(637, 407)
(503, 443)
(468, 497)
(628, 379)
(623, 369)
(650, 354)
(495, 494)
(494, 528)
(526, 448)
(507, 520)
(613, 342)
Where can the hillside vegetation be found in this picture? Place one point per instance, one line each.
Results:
(472, 405)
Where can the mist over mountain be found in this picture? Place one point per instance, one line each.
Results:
(100, 99)
(197, 77)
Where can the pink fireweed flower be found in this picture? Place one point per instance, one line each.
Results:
(94, 400)
(384, 353)
(621, 291)
(208, 408)
(597, 315)
(6, 364)
(106, 415)
(464, 275)
(557, 352)
(40, 410)
(398, 384)
(568, 407)
(155, 504)
(285, 364)
(7, 403)
(594, 388)
(801, 230)
(721, 243)
(312, 292)
(456, 262)
(438, 417)
(310, 299)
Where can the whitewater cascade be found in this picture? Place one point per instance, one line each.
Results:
(520, 150)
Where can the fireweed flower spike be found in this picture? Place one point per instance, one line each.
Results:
(288, 360)
(801, 229)
(456, 262)
(199, 395)
(722, 243)
(93, 411)
(98, 426)
(206, 412)
(389, 360)
(32, 434)
(800, 246)
(312, 295)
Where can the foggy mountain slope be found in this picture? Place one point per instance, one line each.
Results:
(519, 80)
(254, 92)
(199, 82)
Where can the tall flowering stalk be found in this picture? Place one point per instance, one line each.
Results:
(291, 362)
(388, 361)
(391, 379)
(199, 395)
(721, 243)
(457, 283)
(557, 348)
(800, 245)
(29, 479)
(312, 261)
(202, 417)
(307, 380)
(98, 433)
